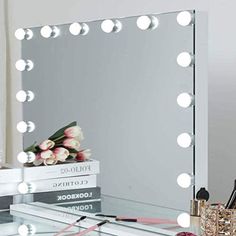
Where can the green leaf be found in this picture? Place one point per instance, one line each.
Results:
(60, 132)
(32, 148)
(71, 150)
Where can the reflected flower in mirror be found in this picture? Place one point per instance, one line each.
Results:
(61, 147)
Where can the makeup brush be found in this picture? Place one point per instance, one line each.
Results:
(139, 220)
(92, 228)
(70, 226)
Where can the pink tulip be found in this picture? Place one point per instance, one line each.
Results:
(46, 145)
(38, 160)
(83, 155)
(50, 161)
(73, 132)
(61, 154)
(47, 154)
(71, 143)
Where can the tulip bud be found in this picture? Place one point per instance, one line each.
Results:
(61, 154)
(71, 143)
(50, 161)
(46, 145)
(83, 155)
(73, 132)
(38, 160)
(47, 154)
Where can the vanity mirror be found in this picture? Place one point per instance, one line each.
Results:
(137, 87)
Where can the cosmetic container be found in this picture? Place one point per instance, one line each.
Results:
(217, 221)
(195, 215)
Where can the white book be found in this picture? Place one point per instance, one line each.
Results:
(61, 170)
(10, 174)
(80, 182)
(8, 189)
(50, 185)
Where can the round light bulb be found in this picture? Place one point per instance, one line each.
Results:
(185, 59)
(147, 22)
(184, 180)
(185, 140)
(75, 28)
(26, 157)
(24, 65)
(184, 220)
(25, 188)
(21, 65)
(25, 230)
(49, 31)
(25, 96)
(109, 26)
(24, 127)
(79, 29)
(185, 18)
(185, 100)
(22, 34)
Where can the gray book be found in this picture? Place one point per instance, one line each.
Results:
(5, 202)
(94, 206)
(74, 195)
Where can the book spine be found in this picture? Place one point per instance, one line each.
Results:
(5, 202)
(8, 189)
(87, 206)
(81, 182)
(12, 175)
(61, 170)
(74, 195)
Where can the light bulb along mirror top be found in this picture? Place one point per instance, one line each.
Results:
(138, 118)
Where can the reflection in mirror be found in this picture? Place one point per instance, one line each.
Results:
(103, 132)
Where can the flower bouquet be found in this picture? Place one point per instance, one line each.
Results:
(63, 146)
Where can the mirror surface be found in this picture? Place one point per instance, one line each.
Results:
(121, 88)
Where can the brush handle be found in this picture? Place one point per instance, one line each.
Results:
(65, 229)
(146, 220)
(90, 229)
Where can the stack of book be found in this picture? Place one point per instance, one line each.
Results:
(9, 181)
(71, 185)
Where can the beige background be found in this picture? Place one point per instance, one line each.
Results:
(222, 64)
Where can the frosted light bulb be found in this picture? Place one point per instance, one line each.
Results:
(185, 100)
(109, 26)
(77, 29)
(185, 140)
(185, 18)
(25, 188)
(26, 157)
(24, 127)
(24, 65)
(25, 96)
(185, 59)
(50, 31)
(184, 220)
(22, 34)
(147, 22)
(184, 180)
(25, 230)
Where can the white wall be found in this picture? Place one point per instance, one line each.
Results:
(222, 55)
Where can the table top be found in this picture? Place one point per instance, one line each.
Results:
(11, 222)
